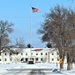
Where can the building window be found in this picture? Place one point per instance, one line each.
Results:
(26, 54)
(57, 59)
(36, 59)
(31, 53)
(10, 53)
(45, 53)
(41, 59)
(41, 53)
(0, 59)
(5, 59)
(0, 54)
(36, 53)
(52, 59)
(57, 53)
(52, 53)
(21, 53)
(22, 59)
(26, 59)
(10, 59)
(17, 53)
(5, 53)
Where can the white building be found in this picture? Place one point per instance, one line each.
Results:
(37, 55)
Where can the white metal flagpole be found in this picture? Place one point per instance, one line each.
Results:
(31, 26)
(32, 10)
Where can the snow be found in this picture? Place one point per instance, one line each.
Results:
(24, 69)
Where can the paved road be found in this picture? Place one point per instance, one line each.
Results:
(23, 72)
(37, 72)
(28, 72)
(19, 72)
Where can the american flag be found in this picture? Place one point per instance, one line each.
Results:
(35, 9)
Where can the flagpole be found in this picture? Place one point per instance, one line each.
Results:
(30, 26)
(32, 10)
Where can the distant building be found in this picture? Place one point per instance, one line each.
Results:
(37, 55)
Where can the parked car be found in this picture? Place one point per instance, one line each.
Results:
(30, 62)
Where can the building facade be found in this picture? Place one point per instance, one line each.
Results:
(37, 55)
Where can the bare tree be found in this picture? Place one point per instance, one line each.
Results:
(5, 30)
(5, 41)
(59, 27)
(20, 43)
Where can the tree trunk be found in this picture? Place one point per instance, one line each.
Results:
(69, 66)
(61, 65)
(62, 56)
(69, 62)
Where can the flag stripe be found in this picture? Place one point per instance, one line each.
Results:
(35, 9)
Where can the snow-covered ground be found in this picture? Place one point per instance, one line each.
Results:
(26, 69)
